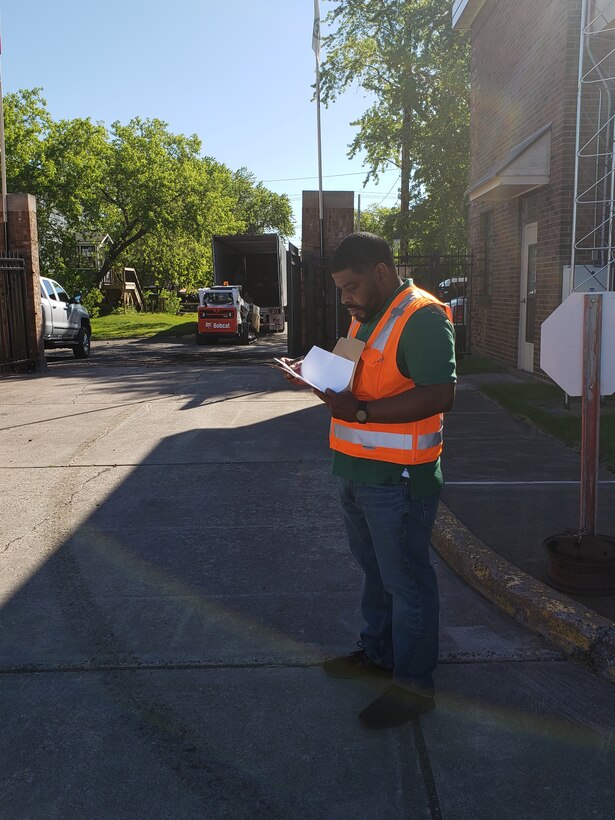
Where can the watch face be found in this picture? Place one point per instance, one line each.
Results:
(361, 416)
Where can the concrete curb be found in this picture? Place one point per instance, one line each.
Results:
(582, 634)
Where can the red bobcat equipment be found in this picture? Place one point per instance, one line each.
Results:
(224, 314)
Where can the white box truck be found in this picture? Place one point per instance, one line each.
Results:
(257, 262)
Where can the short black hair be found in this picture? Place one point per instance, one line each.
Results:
(361, 252)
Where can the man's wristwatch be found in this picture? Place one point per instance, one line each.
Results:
(361, 412)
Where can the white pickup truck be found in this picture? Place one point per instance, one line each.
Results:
(66, 322)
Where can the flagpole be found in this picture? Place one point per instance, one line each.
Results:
(316, 49)
(3, 163)
(321, 214)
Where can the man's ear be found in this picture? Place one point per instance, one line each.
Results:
(381, 271)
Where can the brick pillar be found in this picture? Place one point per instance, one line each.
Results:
(318, 292)
(338, 209)
(23, 242)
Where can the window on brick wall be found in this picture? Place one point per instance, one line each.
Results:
(529, 209)
(486, 250)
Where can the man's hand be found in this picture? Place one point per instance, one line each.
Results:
(415, 404)
(341, 405)
(294, 364)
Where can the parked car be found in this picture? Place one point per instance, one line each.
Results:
(66, 322)
(458, 309)
(452, 288)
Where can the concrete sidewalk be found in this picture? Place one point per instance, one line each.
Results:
(174, 570)
(513, 487)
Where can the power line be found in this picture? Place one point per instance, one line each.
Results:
(373, 194)
(390, 189)
(325, 176)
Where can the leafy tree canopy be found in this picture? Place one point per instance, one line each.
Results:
(416, 69)
(151, 191)
(259, 209)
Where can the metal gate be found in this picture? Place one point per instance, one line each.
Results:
(319, 319)
(449, 277)
(293, 297)
(15, 352)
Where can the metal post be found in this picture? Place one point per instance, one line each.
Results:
(578, 135)
(321, 217)
(3, 171)
(590, 418)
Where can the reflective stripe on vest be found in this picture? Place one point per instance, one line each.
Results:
(396, 313)
(370, 439)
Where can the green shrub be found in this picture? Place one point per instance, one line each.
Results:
(73, 282)
(91, 301)
(124, 309)
(171, 302)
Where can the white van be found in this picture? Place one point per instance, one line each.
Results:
(66, 322)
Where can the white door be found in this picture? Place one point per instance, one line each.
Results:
(527, 308)
(62, 313)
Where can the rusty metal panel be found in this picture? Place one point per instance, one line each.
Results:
(15, 352)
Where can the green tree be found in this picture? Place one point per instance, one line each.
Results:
(59, 163)
(382, 221)
(416, 69)
(150, 190)
(259, 209)
(151, 184)
(27, 124)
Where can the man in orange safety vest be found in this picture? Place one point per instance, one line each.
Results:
(386, 436)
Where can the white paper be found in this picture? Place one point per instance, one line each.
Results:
(283, 366)
(326, 371)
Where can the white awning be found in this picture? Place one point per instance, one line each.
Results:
(464, 12)
(526, 167)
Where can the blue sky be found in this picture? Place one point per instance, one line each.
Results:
(235, 72)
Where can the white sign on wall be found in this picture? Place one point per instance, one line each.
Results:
(587, 279)
(561, 344)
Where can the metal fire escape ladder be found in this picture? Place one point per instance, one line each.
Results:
(592, 265)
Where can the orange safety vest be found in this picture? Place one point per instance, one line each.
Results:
(378, 377)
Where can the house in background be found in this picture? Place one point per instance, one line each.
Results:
(90, 251)
(540, 188)
(121, 287)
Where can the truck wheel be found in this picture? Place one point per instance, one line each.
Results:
(200, 339)
(244, 338)
(82, 349)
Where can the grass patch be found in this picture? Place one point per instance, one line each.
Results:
(543, 406)
(471, 365)
(143, 325)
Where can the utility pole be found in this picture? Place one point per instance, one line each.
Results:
(3, 166)
(405, 183)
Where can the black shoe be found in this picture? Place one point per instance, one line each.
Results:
(396, 706)
(355, 665)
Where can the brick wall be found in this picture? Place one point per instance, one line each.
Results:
(524, 77)
(319, 296)
(23, 242)
(338, 207)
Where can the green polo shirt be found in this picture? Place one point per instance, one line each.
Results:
(425, 354)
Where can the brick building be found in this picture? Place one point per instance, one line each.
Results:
(525, 71)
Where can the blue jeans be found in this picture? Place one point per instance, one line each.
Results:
(389, 535)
